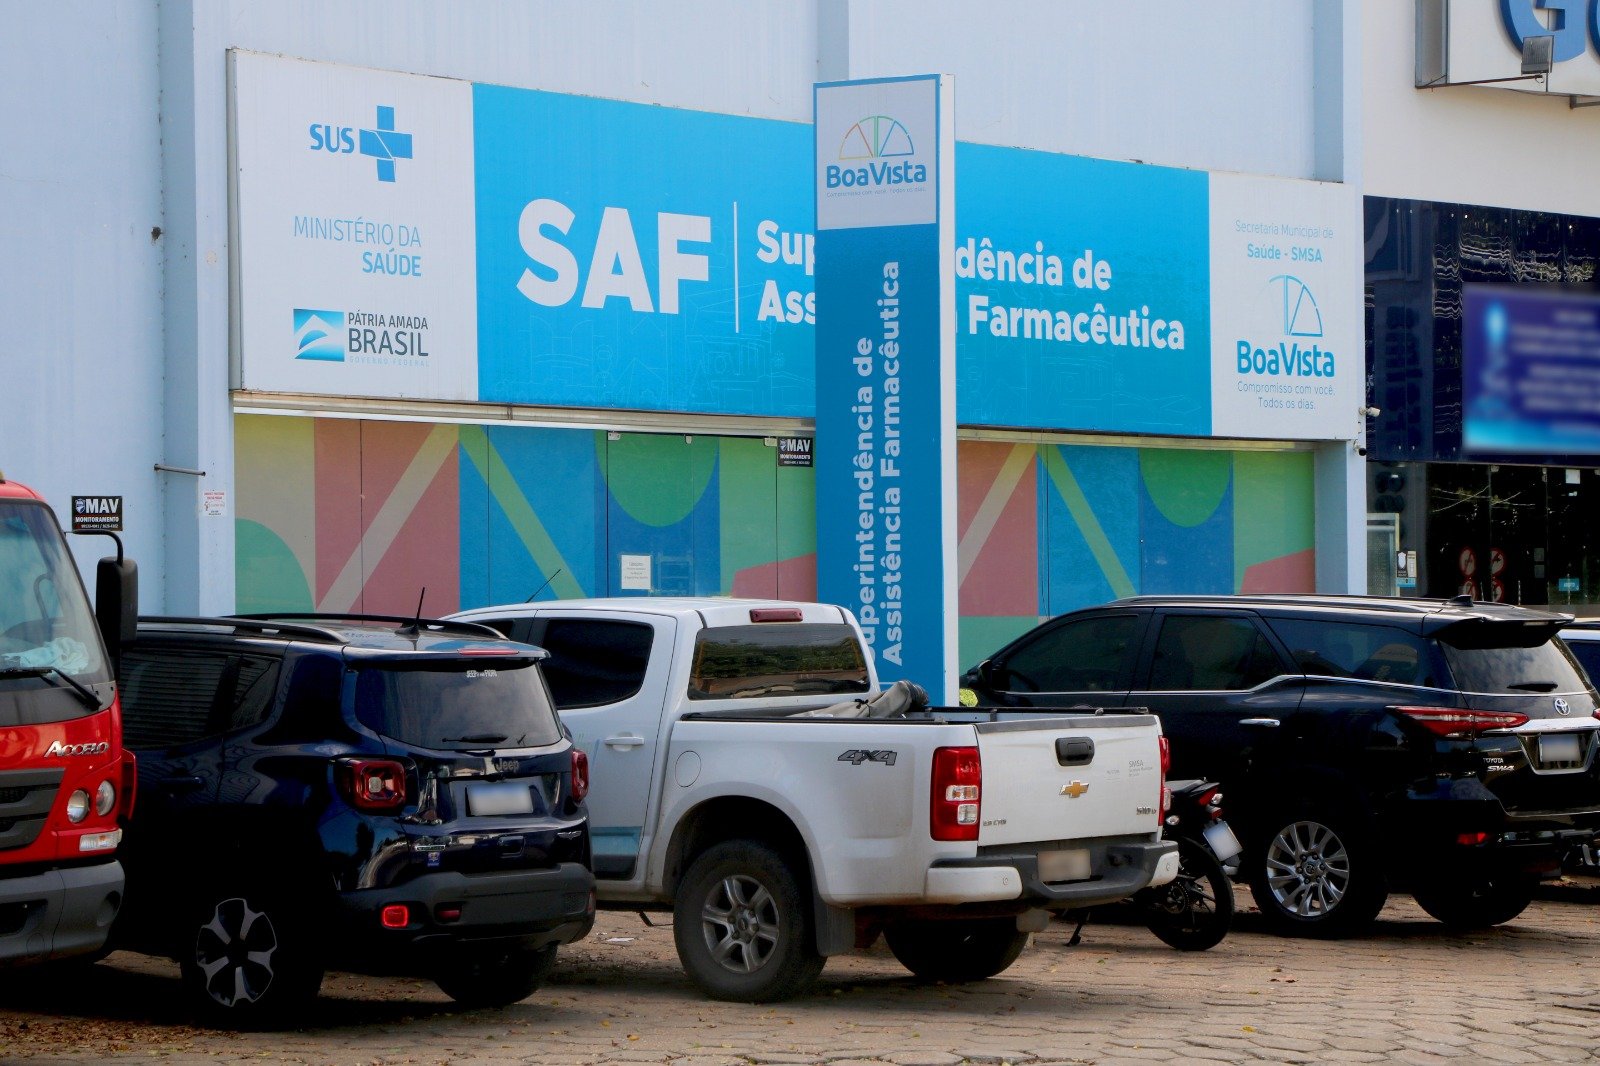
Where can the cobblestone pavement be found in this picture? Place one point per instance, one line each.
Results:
(1411, 992)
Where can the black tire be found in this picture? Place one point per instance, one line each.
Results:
(956, 950)
(1193, 911)
(249, 957)
(481, 978)
(742, 922)
(1317, 874)
(1476, 902)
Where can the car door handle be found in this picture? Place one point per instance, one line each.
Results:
(623, 742)
(174, 786)
(1261, 723)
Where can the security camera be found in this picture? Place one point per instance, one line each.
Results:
(1361, 449)
(1371, 412)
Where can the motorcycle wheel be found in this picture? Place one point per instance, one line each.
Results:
(1193, 911)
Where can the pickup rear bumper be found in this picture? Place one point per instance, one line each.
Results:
(1118, 870)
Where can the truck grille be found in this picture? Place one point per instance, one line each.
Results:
(26, 797)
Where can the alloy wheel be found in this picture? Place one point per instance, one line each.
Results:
(740, 922)
(1308, 869)
(234, 953)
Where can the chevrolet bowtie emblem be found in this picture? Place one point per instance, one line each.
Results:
(1076, 789)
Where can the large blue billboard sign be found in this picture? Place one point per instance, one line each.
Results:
(641, 257)
(885, 358)
(1530, 371)
(1082, 294)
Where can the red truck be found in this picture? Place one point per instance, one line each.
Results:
(65, 781)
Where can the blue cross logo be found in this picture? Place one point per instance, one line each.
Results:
(385, 144)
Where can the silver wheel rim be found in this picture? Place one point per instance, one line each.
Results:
(1308, 869)
(741, 924)
(234, 953)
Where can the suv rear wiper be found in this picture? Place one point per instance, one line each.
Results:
(1533, 686)
(477, 738)
(83, 692)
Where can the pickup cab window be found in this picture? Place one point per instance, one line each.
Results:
(592, 661)
(743, 662)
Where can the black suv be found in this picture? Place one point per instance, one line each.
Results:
(1447, 747)
(372, 794)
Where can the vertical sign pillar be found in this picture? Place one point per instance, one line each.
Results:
(885, 439)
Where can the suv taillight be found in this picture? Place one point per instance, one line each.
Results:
(580, 775)
(957, 794)
(1456, 722)
(373, 784)
(1166, 765)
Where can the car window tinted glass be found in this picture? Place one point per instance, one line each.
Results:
(254, 686)
(592, 662)
(1087, 655)
(169, 695)
(773, 659)
(1364, 652)
(1503, 671)
(1197, 653)
(1587, 652)
(457, 705)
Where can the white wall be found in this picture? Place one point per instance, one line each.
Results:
(1468, 144)
(80, 267)
(1223, 85)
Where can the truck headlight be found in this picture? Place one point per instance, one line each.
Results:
(78, 806)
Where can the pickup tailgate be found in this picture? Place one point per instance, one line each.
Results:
(1070, 777)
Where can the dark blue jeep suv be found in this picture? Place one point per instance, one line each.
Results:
(373, 794)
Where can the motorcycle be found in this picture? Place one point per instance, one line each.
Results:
(1193, 911)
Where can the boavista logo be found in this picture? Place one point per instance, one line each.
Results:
(1299, 321)
(875, 152)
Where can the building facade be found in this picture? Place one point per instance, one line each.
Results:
(518, 301)
(1483, 324)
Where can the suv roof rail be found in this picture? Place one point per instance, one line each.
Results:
(248, 624)
(436, 625)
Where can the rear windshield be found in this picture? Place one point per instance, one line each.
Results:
(740, 662)
(457, 705)
(1502, 671)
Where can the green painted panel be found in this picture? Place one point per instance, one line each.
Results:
(749, 501)
(1186, 485)
(1274, 507)
(657, 478)
(267, 575)
(797, 512)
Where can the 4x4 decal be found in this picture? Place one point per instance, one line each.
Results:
(857, 756)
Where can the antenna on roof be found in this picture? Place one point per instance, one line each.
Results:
(415, 628)
(544, 586)
(1463, 600)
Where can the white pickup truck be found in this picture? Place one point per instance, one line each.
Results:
(781, 837)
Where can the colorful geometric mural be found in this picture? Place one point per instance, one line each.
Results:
(347, 515)
(1105, 522)
(351, 515)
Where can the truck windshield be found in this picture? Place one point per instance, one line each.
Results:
(741, 662)
(46, 627)
(455, 705)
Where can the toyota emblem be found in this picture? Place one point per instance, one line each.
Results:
(1562, 707)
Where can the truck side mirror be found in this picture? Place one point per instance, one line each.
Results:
(116, 603)
(990, 675)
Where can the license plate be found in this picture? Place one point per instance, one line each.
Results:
(1560, 748)
(1070, 865)
(1224, 845)
(489, 799)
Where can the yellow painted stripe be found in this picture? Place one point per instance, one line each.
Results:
(993, 506)
(1088, 524)
(520, 513)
